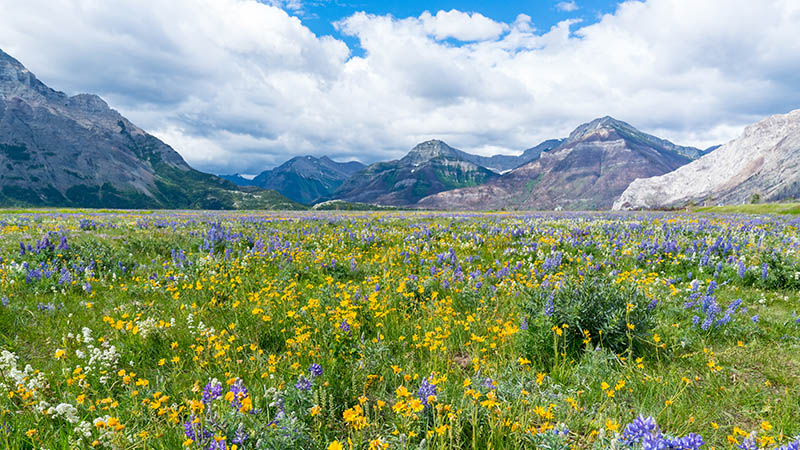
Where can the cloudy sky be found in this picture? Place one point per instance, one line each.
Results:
(242, 85)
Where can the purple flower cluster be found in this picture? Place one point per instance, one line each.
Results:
(426, 389)
(790, 446)
(87, 224)
(710, 309)
(211, 392)
(552, 262)
(344, 326)
(195, 431)
(645, 432)
(239, 392)
(303, 384)
(217, 445)
(240, 436)
(315, 370)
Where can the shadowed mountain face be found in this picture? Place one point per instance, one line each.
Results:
(428, 168)
(763, 162)
(588, 170)
(304, 179)
(57, 150)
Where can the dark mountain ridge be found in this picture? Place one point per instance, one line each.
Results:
(304, 179)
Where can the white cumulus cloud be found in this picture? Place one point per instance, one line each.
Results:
(567, 6)
(241, 85)
(462, 26)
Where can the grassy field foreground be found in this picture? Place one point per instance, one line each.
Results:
(398, 330)
(755, 208)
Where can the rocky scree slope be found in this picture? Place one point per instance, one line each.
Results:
(763, 161)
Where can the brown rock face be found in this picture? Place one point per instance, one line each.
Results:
(588, 171)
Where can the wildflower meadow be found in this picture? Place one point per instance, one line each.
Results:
(398, 330)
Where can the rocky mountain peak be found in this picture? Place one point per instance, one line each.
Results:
(425, 151)
(775, 126)
(7, 62)
(602, 127)
(88, 103)
(608, 128)
(16, 81)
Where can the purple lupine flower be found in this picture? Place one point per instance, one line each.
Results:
(46, 306)
(315, 370)
(212, 392)
(689, 442)
(63, 245)
(217, 445)
(426, 389)
(303, 384)
(794, 445)
(641, 427)
(755, 318)
(764, 271)
(239, 392)
(240, 436)
(653, 441)
(344, 326)
(549, 307)
(748, 444)
(195, 431)
(188, 429)
(4, 300)
(65, 277)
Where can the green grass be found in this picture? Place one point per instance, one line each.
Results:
(757, 208)
(384, 300)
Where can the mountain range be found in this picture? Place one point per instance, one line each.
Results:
(588, 170)
(59, 150)
(303, 179)
(429, 168)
